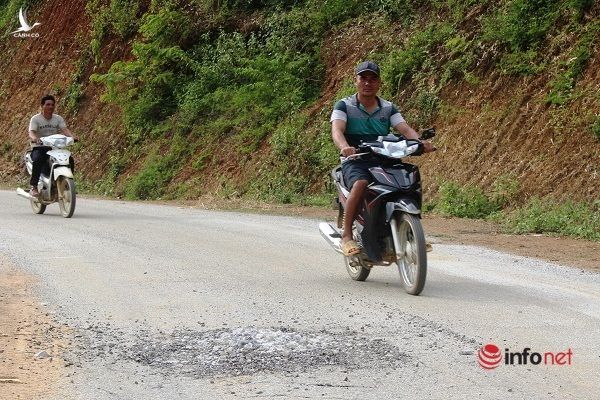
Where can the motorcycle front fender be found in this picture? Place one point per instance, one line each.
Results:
(407, 205)
(62, 171)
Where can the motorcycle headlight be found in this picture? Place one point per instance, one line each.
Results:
(60, 143)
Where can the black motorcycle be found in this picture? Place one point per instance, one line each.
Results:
(388, 226)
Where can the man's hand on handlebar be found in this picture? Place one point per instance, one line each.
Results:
(348, 151)
(428, 147)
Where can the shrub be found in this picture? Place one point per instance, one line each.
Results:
(464, 202)
(9, 10)
(73, 95)
(285, 138)
(158, 171)
(580, 7)
(426, 104)
(596, 127)
(244, 69)
(471, 202)
(124, 16)
(401, 65)
(574, 67)
(522, 63)
(552, 216)
(504, 190)
(521, 24)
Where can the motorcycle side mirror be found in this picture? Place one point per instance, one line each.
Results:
(428, 133)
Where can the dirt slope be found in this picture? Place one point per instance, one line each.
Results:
(501, 126)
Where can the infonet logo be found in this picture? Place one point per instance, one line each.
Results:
(22, 32)
(489, 357)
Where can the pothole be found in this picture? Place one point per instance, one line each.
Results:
(249, 350)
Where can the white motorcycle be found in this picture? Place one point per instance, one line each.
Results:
(56, 182)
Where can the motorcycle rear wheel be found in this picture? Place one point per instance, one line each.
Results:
(37, 207)
(358, 271)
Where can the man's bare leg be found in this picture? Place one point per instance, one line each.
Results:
(352, 207)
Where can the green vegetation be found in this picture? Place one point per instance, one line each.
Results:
(9, 10)
(403, 64)
(546, 215)
(573, 67)
(196, 74)
(551, 216)
(522, 25)
(523, 28)
(158, 170)
(470, 201)
(247, 76)
(242, 73)
(6, 149)
(596, 127)
(464, 201)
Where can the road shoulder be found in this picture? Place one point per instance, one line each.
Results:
(26, 329)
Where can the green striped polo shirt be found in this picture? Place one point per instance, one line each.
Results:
(361, 125)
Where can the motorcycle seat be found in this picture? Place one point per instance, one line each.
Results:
(338, 177)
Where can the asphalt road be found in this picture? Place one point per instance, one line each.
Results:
(167, 302)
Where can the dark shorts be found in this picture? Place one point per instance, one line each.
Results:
(356, 170)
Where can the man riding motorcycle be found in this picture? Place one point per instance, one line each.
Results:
(363, 117)
(41, 125)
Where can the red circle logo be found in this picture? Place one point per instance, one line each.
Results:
(489, 356)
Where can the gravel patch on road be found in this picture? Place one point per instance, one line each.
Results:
(238, 351)
(246, 351)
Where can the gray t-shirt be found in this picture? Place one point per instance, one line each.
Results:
(45, 127)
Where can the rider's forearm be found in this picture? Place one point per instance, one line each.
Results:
(67, 132)
(339, 139)
(338, 127)
(33, 136)
(405, 130)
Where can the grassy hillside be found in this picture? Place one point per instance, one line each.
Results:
(233, 97)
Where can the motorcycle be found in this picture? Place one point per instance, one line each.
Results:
(388, 227)
(56, 182)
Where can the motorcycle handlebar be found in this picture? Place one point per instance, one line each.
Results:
(365, 149)
(356, 155)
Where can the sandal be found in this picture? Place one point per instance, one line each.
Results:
(350, 248)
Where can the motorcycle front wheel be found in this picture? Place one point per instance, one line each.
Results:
(411, 257)
(66, 196)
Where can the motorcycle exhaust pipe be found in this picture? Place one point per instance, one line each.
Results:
(332, 236)
(24, 194)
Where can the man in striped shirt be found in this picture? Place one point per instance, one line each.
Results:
(363, 116)
(41, 125)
